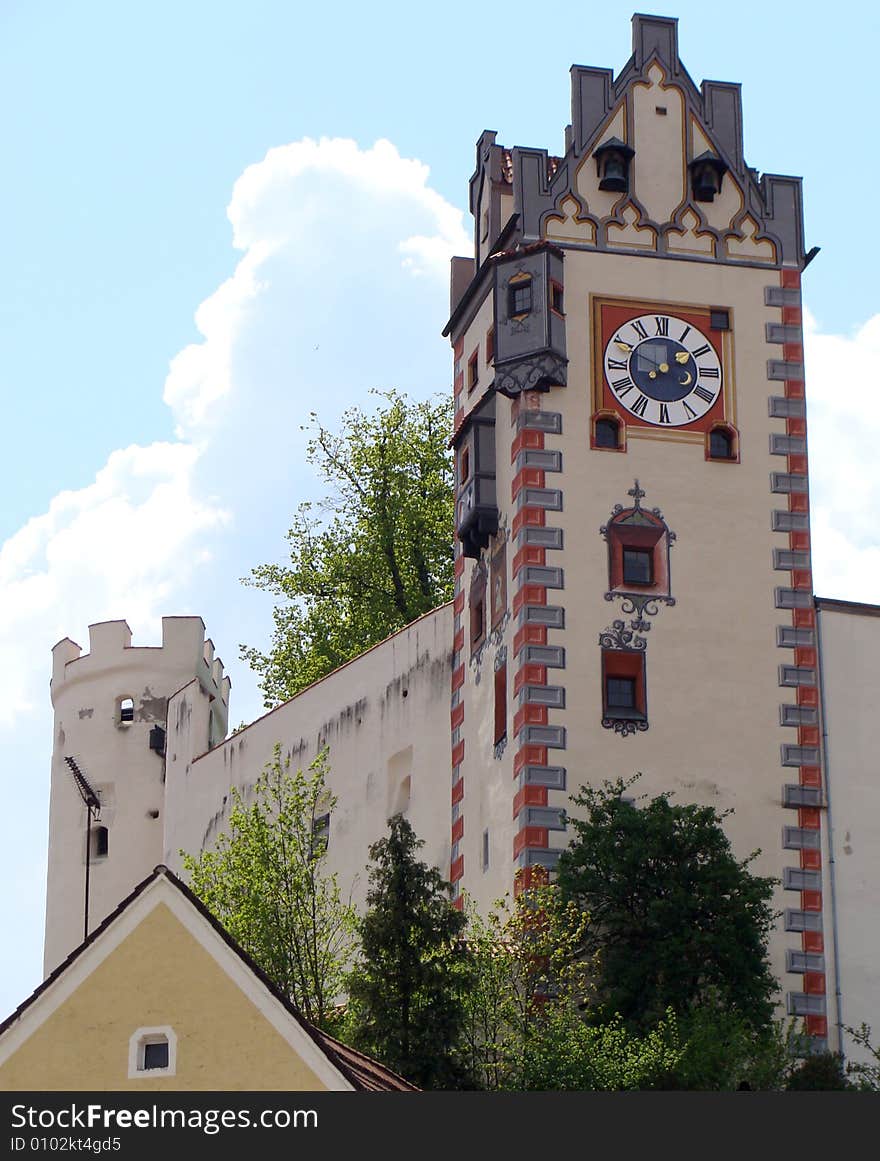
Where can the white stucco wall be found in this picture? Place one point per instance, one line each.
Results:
(850, 660)
(384, 718)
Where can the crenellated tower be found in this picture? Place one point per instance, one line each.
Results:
(110, 718)
(633, 579)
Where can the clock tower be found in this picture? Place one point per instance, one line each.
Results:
(633, 581)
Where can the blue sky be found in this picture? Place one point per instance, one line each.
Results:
(204, 242)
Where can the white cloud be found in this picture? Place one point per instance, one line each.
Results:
(117, 548)
(843, 385)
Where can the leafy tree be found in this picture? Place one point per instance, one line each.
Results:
(405, 1002)
(374, 555)
(525, 960)
(865, 1074)
(528, 1008)
(267, 885)
(722, 1051)
(677, 920)
(821, 1072)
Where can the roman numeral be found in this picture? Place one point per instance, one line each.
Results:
(616, 365)
(684, 334)
(664, 413)
(691, 413)
(639, 329)
(704, 350)
(662, 324)
(703, 394)
(622, 386)
(638, 408)
(709, 372)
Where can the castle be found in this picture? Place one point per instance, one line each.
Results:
(633, 581)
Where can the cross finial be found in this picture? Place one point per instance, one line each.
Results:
(636, 493)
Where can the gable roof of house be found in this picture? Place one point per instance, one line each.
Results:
(361, 1071)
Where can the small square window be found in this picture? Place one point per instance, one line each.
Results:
(519, 297)
(719, 320)
(152, 1050)
(620, 692)
(638, 566)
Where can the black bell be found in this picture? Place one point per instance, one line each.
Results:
(707, 173)
(612, 164)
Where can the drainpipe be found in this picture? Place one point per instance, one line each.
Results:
(832, 862)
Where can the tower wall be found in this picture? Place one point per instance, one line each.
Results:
(107, 702)
(657, 299)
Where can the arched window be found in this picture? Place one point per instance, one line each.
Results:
(126, 709)
(607, 433)
(100, 842)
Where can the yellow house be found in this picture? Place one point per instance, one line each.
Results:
(160, 997)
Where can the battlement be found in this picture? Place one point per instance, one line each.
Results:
(185, 652)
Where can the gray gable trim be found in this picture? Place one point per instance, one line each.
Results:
(773, 200)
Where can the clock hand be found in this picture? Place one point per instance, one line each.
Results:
(682, 356)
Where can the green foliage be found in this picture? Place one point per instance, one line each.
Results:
(376, 554)
(722, 1051)
(567, 1053)
(526, 1010)
(266, 884)
(405, 1003)
(821, 1072)
(865, 1075)
(526, 962)
(677, 921)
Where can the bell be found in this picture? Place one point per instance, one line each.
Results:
(707, 172)
(612, 164)
(614, 174)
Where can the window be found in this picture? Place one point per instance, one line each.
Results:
(155, 1054)
(485, 859)
(519, 297)
(500, 704)
(490, 345)
(473, 370)
(623, 687)
(152, 1051)
(320, 834)
(464, 470)
(99, 842)
(126, 709)
(556, 298)
(478, 620)
(638, 566)
(721, 446)
(477, 604)
(621, 692)
(607, 433)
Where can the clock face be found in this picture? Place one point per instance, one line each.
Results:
(662, 369)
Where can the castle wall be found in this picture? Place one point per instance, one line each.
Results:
(850, 647)
(384, 719)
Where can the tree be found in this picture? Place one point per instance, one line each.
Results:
(266, 884)
(380, 555)
(405, 1004)
(528, 1009)
(676, 919)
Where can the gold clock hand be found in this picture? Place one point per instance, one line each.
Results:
(682, 356)
(623, 346)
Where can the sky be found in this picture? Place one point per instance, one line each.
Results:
(223, 216)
